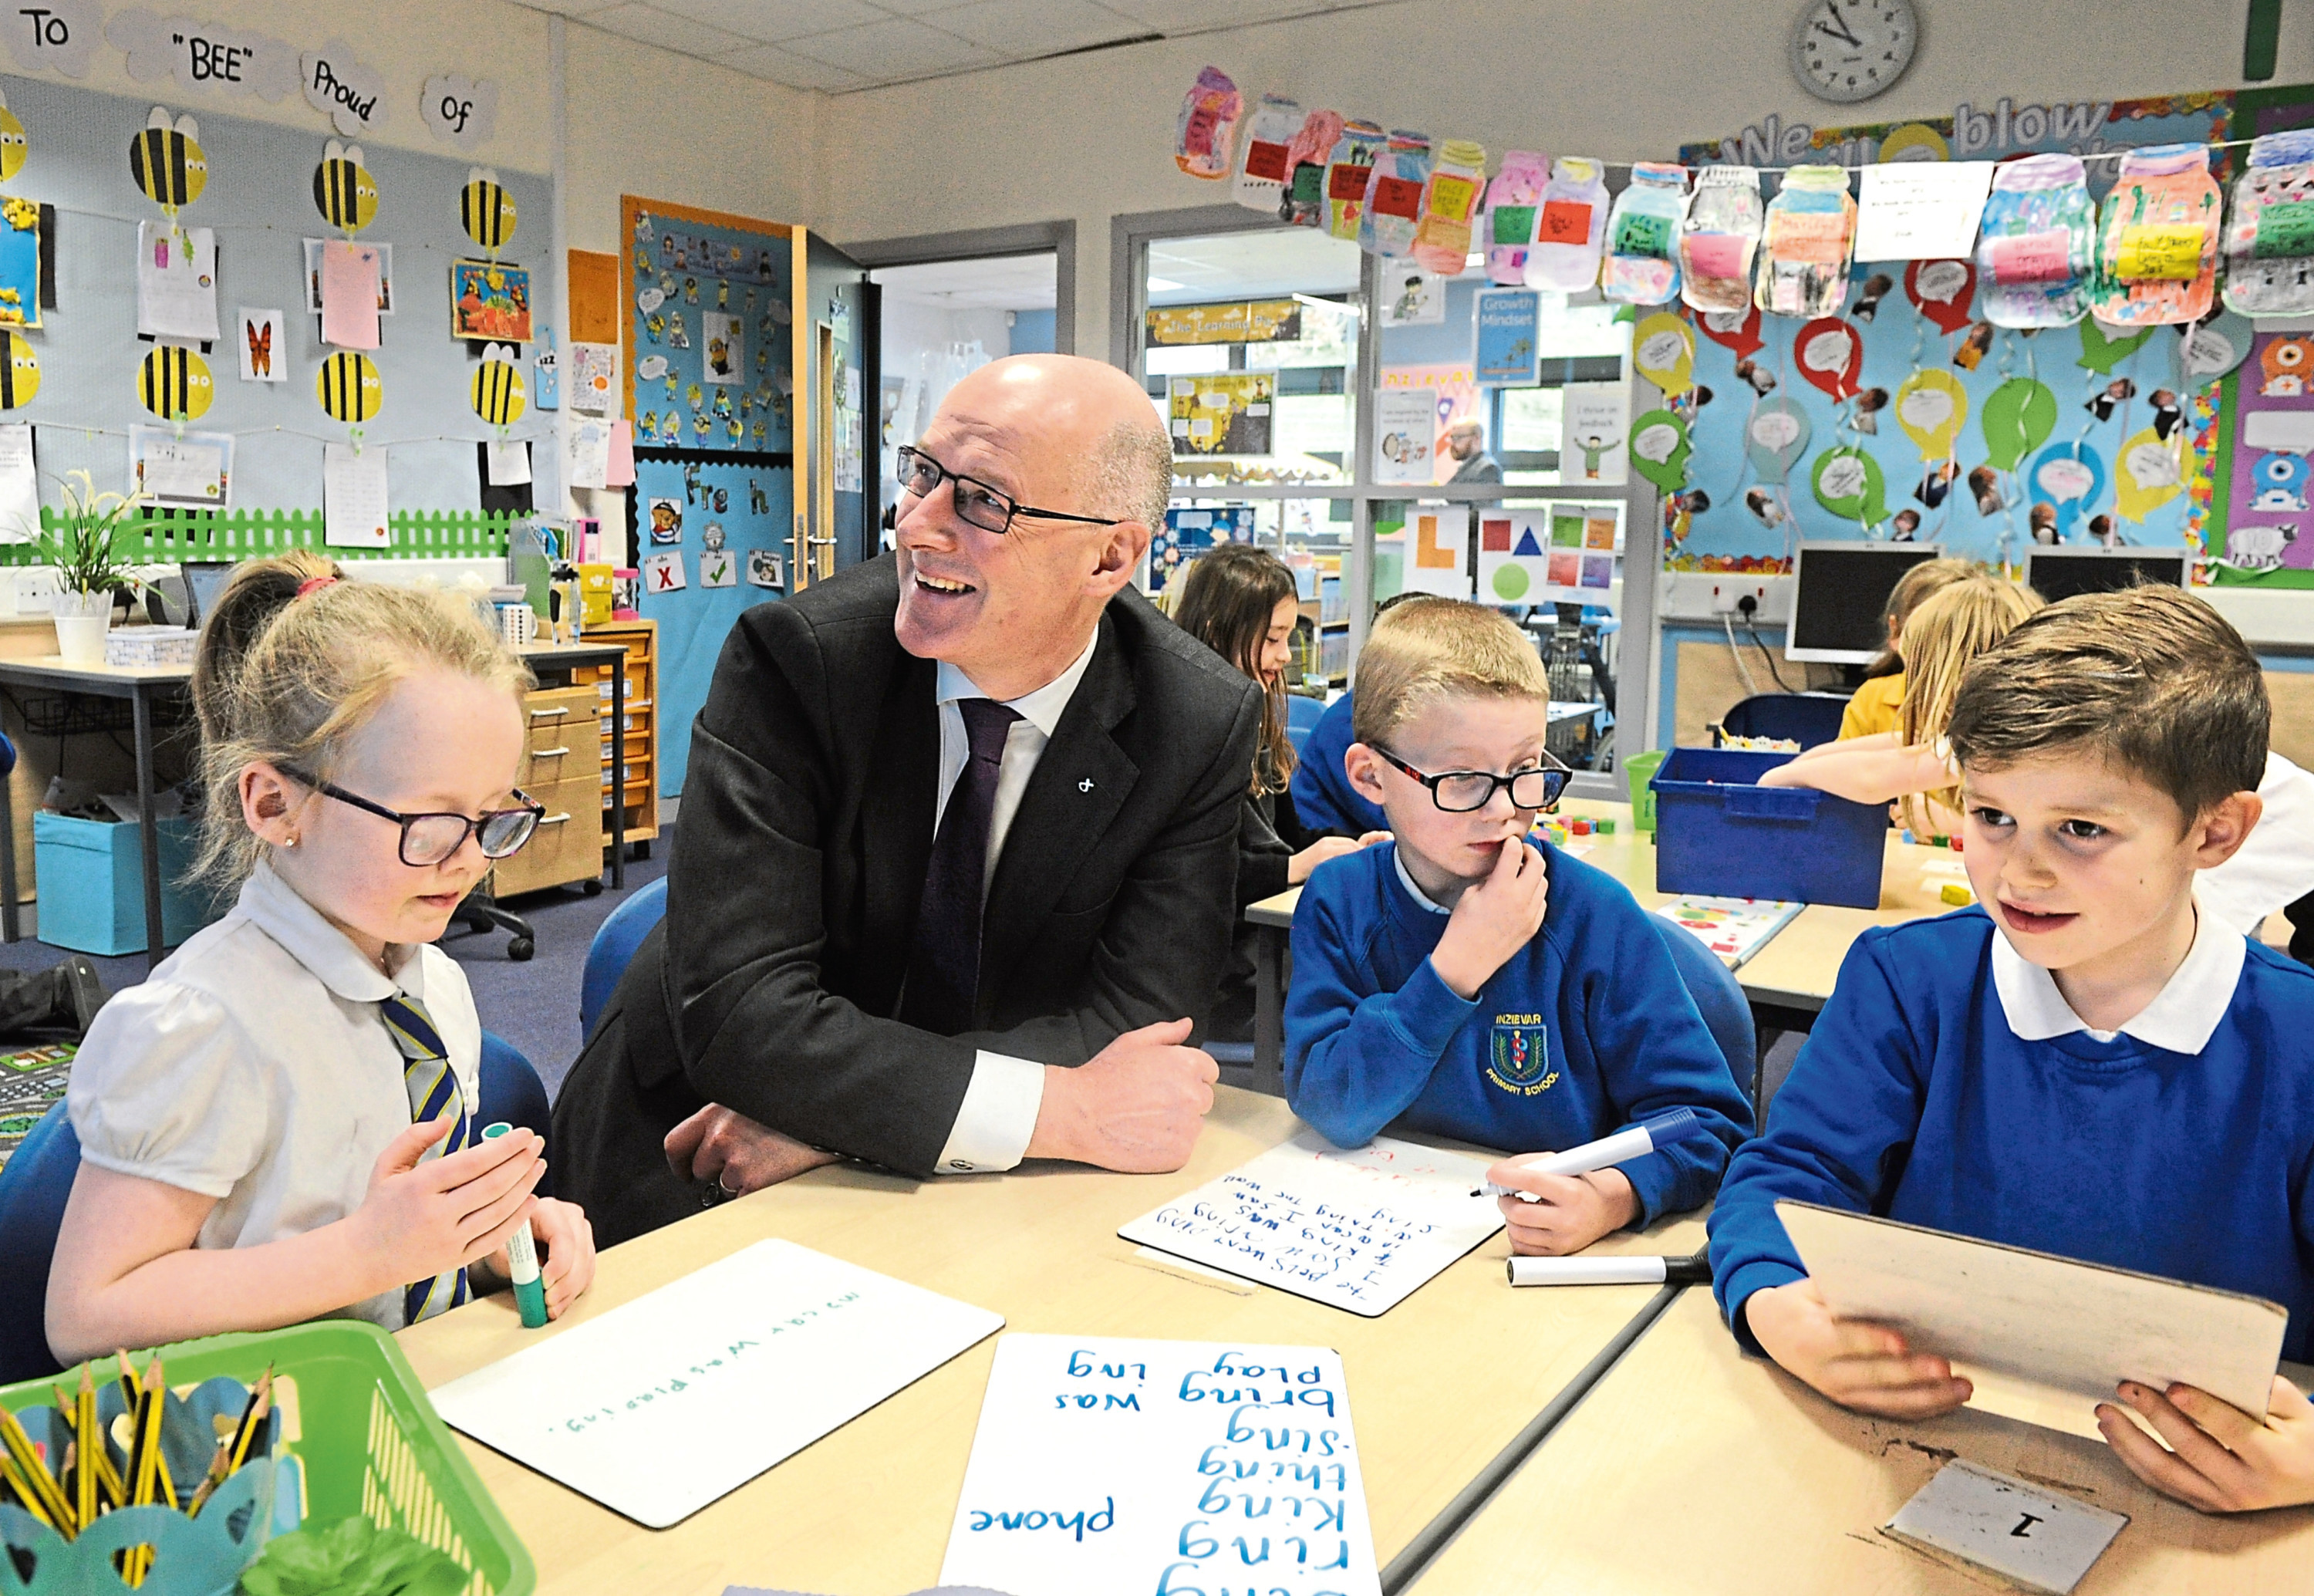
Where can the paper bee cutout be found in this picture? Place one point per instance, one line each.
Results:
(485, 210)
(343, 191)
(348, 387)
(14, 146)
(173, 382)
(497, 394)
(20, 374)
(165, 159)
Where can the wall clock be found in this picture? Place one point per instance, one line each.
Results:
(1846, 50)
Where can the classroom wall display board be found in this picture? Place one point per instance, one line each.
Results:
(1909, 416)
(228, 281)
(706, 329)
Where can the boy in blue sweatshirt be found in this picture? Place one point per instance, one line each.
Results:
(2084, 1065)
(1466, 981)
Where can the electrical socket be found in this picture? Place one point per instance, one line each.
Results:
(1728, 596)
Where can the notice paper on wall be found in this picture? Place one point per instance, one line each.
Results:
(353, 498)
(1406, 435)
(508, 463)
(1921, 210)
(1735, 928)
(586, 453)
(1108, 1464)
(20, 485)
(1360, 1230)
(1593, 433)
(349, 283)
(176, 281)
(188, 471)
(1437, 550)
(682, 1395)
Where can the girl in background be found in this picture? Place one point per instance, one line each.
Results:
(1875, 706)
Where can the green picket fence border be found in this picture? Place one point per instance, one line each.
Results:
(238, 534)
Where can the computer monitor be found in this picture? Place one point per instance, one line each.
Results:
(204, 579)
(1840, 588)
(2061, 573)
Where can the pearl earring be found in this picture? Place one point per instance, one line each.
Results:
(291, 841)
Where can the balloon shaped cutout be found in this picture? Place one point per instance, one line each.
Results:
(497, 393)
(1931, 407)
(1663, 351)
(2070, 477)
(20, 377)
(1660, 448)
(14, 146)
(165, 159)
(348, 387)
(1848, 483)
(2101, 351)
(1943, 291)
(2016, 421)
(1736, 329)
(2150, 475)
(175, 384)
(1776, 436)
(1831, 356)
(485, 210)
(342, 189)
(2206, 350)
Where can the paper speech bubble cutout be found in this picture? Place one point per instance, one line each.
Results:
(2016, 421)
(651, 367)
(2207, 350)
(1776, 437)
(1736, 329)
(1660, 448)
(1931, 407)
(1849, 484)
(2150, 476)
(1663, 351)
(1943, 291)
(2069, 476)
(1829, 355)
(2101, 351)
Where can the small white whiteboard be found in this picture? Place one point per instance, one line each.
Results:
(669, 1401)
(1103, 1464)
(1359, 1231)
(2044, 1339)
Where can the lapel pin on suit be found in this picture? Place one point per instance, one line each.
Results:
(1085, 785)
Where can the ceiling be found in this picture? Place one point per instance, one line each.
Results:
(1250, 266)
(838, 45)
(993, 283)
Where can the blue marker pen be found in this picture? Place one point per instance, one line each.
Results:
(1638, 1142)
(521, 1259)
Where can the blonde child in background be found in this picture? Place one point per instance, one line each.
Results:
(1875, 706)
(278, 1125)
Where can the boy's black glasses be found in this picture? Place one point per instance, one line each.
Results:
(430, 839)
(977, 503)
(1463, 792)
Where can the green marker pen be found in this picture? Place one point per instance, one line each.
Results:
(522, 1260)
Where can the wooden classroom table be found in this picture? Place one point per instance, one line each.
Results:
(1695, 1470)
(1439, 1386)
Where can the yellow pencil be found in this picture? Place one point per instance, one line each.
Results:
(31, 1500)
(88, 1445)
(233, 1449)
(33, 1474)
(145, 1468)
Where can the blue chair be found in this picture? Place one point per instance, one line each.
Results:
(38, 1180)
(1806, 718)
(1727, 1014)
(614, 946)
(1303, 714)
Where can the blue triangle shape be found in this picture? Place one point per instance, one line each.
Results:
(1528, 548)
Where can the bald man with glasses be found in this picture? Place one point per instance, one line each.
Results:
(955, 869)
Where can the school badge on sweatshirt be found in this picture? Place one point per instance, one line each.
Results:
(1520, 1055)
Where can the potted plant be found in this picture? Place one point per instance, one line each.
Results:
(92, 546)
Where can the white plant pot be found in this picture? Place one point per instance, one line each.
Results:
(82, 620)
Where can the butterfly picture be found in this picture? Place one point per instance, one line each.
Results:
(261, 339)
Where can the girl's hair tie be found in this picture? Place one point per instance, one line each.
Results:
(313, 585)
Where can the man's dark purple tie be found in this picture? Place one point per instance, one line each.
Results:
(944, 963)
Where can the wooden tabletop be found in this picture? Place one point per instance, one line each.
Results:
(1692, 1468)
(1438, 1385)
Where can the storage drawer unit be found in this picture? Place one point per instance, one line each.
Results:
(641, 727)
(561, 768)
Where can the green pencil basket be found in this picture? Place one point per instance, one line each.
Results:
(1638, 771)
(367, 1438)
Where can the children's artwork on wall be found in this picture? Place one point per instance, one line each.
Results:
(349, 388)
(20, 374)
(384, 253)
(192, 472)
(15, 146)
(167, 162)
(173, 383)
(594, 377)
(1228, 413)
(489, 299)
(486, 211)
(723, 358)
(497, 393)
(344, 192)
(1207, 129)
(706, 333)
(176, 281)
(261, 345)
(23, 281)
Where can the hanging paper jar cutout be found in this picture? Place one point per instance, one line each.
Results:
(1804, 244)
(2017, 419)
(165, 159)
(2103, 347)
(486, 211)
(1450, 202)
(1570, 230)
(2036, 243)
(1642, 266)
(1830, 355)
(1261, 165)
(1394, 195)
(1942, 291)
(1207, 127)
(2150, 475)
(1663, 351)
(174, 383)
(343, 191)
(2068, 477)
(2158, 240)
(1776, 436)
(497, 393)
(1718, 239)
(1304, 204)
(1659, 450)
(349, 388)
(2269, 244)
(1931, 407)
(14, 146)
(1737, 330)
(1348, 172)
(20, 377)
(1513, 208)
(2212, 347)
(1848, 483)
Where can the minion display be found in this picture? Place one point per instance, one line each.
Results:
(343, 191)
(497, 390)
(486, 211)
(173, 383)
(349, 388)
(20, 374)
(165, 159)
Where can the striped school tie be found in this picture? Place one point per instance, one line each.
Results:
(432, 1093)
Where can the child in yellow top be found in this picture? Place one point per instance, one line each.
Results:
(1875, 706)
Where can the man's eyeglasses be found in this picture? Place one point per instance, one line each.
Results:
(977, 503)
(430, 839)
(1463, 792)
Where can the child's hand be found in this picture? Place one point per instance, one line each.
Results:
(1859, 1365)
(1575, 1210)
(422, 1219)
(2221, 1460)
(566, 1252)
(1298, 867)
(1493, 919)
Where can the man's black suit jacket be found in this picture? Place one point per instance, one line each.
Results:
(805, 829)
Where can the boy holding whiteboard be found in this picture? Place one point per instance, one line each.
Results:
(2086, 1064)
(1468, 981)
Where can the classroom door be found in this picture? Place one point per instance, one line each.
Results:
(835, 344)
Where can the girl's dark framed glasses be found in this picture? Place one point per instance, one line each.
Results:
(1464, 792)
(430, 839)
(991, 509)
